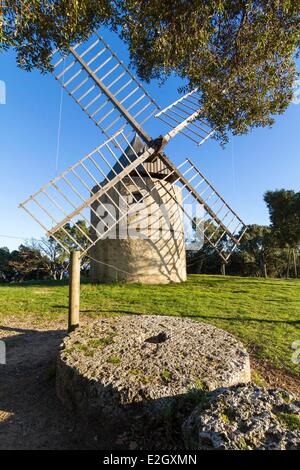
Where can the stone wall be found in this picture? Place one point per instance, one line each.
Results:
(155, 253)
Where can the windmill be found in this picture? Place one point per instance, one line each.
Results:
(130, 170)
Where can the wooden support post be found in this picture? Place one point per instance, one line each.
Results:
(295, 263)
(74, 291)
(223, 269)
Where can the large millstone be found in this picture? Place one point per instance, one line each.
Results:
(115, 369)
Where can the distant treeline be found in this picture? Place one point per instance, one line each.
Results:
(264, 250)
(269, 251)
(257, 255)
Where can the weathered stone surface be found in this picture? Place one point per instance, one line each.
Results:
(244, 417)
(153, 254)
(114, 366)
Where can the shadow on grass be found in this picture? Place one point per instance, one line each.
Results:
(42, 283)
(192, 317)
(242, 319)
(201, 280)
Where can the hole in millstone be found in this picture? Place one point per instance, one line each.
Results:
(160, 338)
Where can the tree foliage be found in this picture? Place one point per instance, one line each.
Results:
(284, 209)
(34, 27)
(259, 254)
(258, 250)
(5, 269)
(45, 258)
(27, 263)
(263, 250)
(239, 53)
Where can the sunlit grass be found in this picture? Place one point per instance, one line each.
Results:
(263, 313)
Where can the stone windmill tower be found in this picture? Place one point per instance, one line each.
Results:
(149, 246)
(131, 196)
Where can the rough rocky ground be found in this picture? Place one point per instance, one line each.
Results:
(244, 417)
(31, 416)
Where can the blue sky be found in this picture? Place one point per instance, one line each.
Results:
(249, 165)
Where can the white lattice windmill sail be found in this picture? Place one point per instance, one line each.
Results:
(122, 174)
(115, 100)
(70, 197)
(104, 87)
(187, 108)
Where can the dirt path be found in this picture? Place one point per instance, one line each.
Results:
(31, 416)
(276, 378)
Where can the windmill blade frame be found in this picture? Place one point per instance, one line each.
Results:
(227, 225)
(100, 83)
(61, 194)
(95, 92)
(187, 107)
(74, 189)
(61, 202)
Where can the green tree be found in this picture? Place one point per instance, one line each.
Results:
(258, 254)
(284, 210)
(28, 263)
(58, 259)
(45, 258)
(5, 269)
(206, 259)
(257, 250)
(240, 54)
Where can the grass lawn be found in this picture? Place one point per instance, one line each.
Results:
(263, 313)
